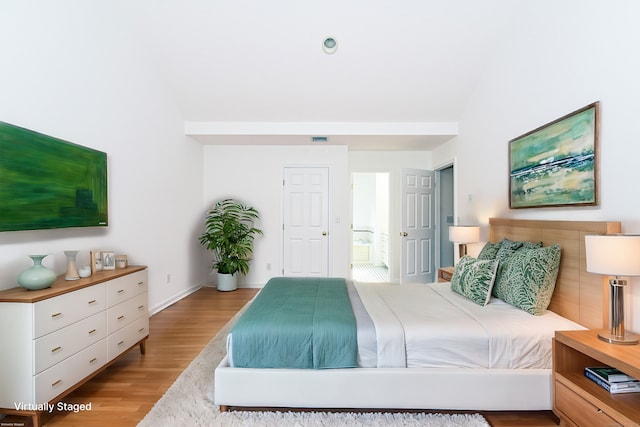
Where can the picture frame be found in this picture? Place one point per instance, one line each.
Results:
(557, 163)
(95, 259)
(108, 260)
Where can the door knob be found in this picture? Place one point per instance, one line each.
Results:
(324, 233)
(404, 234)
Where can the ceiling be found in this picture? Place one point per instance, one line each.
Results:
(235, 67)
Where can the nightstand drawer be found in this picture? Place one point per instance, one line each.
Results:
(445, 274)
(580, 411)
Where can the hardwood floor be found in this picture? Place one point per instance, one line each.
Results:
(124, 393)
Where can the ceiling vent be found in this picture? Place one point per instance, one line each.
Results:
(319, 139)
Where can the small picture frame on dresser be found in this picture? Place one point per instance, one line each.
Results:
(108, 260)
(95, 259)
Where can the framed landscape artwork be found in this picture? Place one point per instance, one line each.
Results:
(46, 182)
(556, 164)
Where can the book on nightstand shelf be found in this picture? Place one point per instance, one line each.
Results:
(612, 380)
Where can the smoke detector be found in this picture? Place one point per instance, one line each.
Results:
(330, 45)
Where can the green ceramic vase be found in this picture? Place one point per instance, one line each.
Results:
(38, 276)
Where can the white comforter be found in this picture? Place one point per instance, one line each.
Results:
(431, 326)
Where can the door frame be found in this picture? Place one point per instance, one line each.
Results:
(389, 214)
(444, 234)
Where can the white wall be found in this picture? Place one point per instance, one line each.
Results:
(77, 76)
(253, 174)
(562, 56)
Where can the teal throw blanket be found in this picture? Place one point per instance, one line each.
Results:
(304, 323)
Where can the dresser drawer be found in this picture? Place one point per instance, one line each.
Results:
(127, 337)
(57, 346)
(63, 310)
(57, 379)
(123, 288)
(580, 411)
(125, 313)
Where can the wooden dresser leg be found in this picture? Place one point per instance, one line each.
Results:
(143, 347)
(224, 408)
(35, 418)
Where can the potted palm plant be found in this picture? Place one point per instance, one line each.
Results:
(229, 234)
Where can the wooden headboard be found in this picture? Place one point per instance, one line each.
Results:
(580, 296)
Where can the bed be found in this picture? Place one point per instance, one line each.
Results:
(486, 382)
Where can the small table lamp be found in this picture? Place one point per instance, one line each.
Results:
(463, 234)
(615, 255)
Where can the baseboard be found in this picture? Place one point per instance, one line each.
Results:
(158, 308)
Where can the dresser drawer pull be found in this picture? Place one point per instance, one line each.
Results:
(93, 360)
(92, 301)
(141, 330)
(93, 331)
(140, 283)
(121, 291)
(56, 315)
(56, 383)
(58, 348)
(140, 307)
(120, 343)
(121, 317)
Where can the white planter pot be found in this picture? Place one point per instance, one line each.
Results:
(227, 282)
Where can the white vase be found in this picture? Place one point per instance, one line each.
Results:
(72, 267)
(227, 282)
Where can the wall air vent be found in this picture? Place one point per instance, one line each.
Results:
(319, 139)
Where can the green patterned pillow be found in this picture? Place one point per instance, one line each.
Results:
(527, 278)
(474, 279)
(529, 245)
(489, 251)
(503, 255)
(508, 248)
(510, 244)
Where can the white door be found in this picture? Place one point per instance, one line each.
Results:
(306, 221)
(418, 226)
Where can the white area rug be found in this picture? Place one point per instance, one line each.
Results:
(189, 402)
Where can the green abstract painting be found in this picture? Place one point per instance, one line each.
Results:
(46, 182)
(555, 165)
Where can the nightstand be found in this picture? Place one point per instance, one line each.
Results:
(445, 274)
(577, 400)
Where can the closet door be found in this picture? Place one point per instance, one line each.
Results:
(306, 221)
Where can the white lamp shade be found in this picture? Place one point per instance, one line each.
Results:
(464, 233)
(613, 254)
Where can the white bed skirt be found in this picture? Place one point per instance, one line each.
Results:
(385, 388)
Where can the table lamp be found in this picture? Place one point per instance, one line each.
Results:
(615, 255)
(463, 234)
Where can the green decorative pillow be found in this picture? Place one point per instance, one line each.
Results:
(508, 248)
(503, 255)
(489, 251)
(474, 279)
(529, 245)
(527, 278)
(510, 244)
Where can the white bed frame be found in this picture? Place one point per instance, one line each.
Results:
(579, 296)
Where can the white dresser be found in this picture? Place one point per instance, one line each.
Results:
(57, 338)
